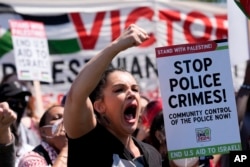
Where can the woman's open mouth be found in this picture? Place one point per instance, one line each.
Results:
(130, 113)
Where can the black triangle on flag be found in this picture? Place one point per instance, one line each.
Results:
(244, 5)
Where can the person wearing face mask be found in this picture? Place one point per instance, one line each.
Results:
(53, 149)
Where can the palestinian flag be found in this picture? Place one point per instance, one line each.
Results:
(64, 31)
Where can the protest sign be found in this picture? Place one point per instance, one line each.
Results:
(31, 52)
(198, 99)
(32, 57)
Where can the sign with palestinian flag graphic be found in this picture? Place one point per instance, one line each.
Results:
(76, 32)
(32, 59)
(198, 98)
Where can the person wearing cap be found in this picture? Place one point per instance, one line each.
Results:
(7, 139)
(16, 95)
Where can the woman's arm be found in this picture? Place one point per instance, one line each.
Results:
(79, 115)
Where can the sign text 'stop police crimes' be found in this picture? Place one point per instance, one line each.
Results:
(192, 82)
(192, 77)
(198, 97)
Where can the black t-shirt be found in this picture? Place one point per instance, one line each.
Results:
(100, 148)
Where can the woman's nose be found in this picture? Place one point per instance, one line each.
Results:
(131, 94)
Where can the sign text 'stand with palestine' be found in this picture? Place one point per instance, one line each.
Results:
(31, 51)
(198, 99)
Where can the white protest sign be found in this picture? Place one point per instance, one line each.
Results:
(198, 99)
(31, 50)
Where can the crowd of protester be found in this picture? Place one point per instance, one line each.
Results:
(102, 122)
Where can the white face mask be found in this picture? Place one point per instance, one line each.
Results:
(186, 162)
(53, 130)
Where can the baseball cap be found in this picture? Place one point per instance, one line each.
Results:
(13, 89)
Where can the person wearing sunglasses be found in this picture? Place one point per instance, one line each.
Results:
(53, 149)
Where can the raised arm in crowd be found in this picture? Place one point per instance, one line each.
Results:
(102, 110)
(7, 140)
